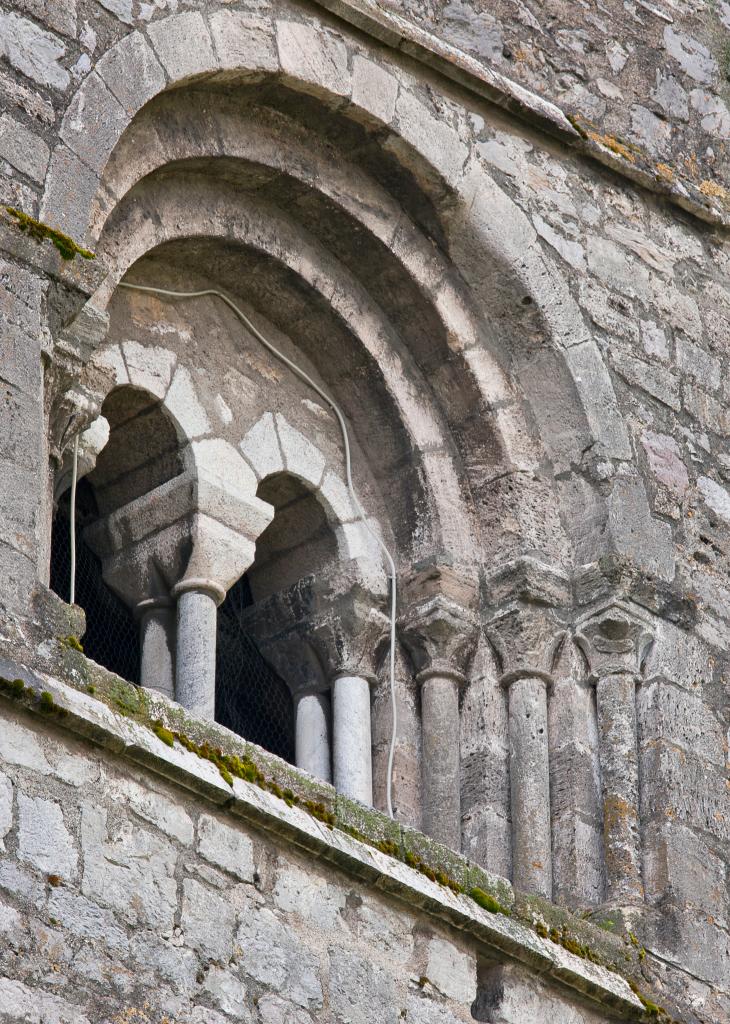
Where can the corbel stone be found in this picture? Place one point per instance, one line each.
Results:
(615, 641)
(441, 634)
(527, 633)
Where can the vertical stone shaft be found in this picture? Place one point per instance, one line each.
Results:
(352, 755)
(618, 755)
(312, 742)
(441, 765)
(195, 653)
(530, 786)
(157, 644)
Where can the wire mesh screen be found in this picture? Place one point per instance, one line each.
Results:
(251, 699)
(112, 636)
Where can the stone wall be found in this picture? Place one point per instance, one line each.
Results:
(127, 897)
(540, 317)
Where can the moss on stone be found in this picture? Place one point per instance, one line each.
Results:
(71, 642)
(487, 902)
(41, 232)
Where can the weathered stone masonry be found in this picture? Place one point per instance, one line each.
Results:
(498, 240)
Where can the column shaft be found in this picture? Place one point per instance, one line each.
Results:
(157, 666)
(312, 741)
(616, 712)
(352, 754)
(195, 652)
(441, 766)
(530, 786)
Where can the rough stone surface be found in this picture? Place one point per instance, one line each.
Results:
(531, 355)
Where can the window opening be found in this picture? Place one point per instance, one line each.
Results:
(251, 699)
(112, 636)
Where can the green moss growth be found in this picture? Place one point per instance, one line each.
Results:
(487, 902)
(39, 232)
(71, 643)
(91, 688)
(13, 687)
(163, 733)
(127, 698)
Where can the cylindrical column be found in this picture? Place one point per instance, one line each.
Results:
(351, 743)
(618, 755)
(312, 741)
(197, 617)
(441, 764)
(157, 644)
(532, 869)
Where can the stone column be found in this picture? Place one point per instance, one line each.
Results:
(615, 642)
(197, 617)
(351, 736)
(345, 633)
(527, 635)
(311, 734)
(441, 637)
(157, 643)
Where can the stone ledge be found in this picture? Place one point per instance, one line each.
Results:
(476, 76)
(87, 716)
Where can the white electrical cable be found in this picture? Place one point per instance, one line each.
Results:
(72, 527)
(350, 486)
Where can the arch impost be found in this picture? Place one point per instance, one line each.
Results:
(201, 584)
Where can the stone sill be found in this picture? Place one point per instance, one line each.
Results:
(711, 206)
(93, 719)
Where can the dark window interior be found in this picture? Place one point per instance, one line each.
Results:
(112, 637)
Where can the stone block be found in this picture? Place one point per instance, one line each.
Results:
(33, 51)
(131, 72)
(207, 921)
(669, 713)
(374, 89)
(315, 58)
(25, 150)
(21, 746)
(130, 870)
(684, 789)
(6, 808)
(43, 838)
(599, 399)
(658, 381)
(302, 458)
(70, 190)
(318, 902)
(680, 867)
(226, 847)
(93, 123)
(261, 448)
(244, 40)
(83, 918)
(389, 928)
(227, 992)
(710, 414)
(420, 1009)
(23, 1004)
(149, 367)
(451, 970)
(277, 957)
(184, 405)
(432, 138)
(615, 268)
(184, 46)
(698, 363)
(356, 985)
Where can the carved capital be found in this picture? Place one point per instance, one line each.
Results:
(527, 640)
(75, 390)
(441, 637)
(527, 631)
(615, 640)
